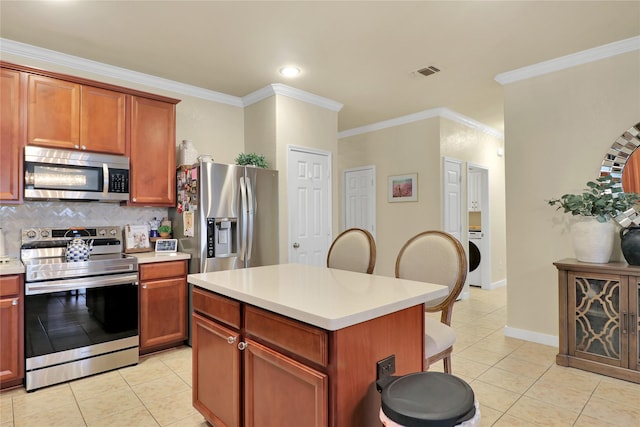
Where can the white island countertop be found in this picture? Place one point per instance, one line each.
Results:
(328, 298)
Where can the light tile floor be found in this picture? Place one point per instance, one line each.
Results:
(517, 384)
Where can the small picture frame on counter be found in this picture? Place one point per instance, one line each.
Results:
(167, 246)
(136, 238)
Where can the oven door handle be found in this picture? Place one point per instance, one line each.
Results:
(34, 288)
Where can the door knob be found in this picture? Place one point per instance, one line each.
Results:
(296, 245)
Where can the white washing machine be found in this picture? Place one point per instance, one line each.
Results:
(475, 258)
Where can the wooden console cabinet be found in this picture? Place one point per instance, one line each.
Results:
(163, 305)
(11, 330)
(599, 318)
(253, 367)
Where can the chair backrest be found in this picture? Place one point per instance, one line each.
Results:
(354, 249)
(435, 257)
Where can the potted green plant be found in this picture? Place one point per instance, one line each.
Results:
(164, 230)
(252, 159)
(593, 228)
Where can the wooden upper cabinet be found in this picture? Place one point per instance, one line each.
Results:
(11, 114)
(152, 153)
(54, 113)
(74, 116)
(102, 120)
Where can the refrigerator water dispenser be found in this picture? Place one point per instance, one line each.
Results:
(221, 237)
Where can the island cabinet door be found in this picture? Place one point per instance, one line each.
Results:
(216, 372)
(280, 391)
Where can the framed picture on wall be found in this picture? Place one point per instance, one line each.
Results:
(403, 188)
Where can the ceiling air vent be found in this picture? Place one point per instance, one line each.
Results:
(428, 70)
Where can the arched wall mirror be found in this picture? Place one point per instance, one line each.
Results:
(622, 162)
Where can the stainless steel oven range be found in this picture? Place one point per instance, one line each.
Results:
(81, 318)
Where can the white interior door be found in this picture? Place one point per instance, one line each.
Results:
(452, 197)
(359, 202)
(309, 185)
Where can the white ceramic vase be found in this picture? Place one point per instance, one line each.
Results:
(592, 240)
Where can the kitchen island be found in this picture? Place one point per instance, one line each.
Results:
(294, 344)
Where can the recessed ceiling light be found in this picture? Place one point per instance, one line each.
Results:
(289, 71)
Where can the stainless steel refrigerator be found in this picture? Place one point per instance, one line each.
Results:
(226, 216)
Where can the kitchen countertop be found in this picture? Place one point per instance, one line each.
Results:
(325, 297)
(147, 257)
(14, 266)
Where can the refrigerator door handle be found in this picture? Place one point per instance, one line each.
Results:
(250, 218)
(243, 213)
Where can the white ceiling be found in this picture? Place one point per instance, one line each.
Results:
(361, 54)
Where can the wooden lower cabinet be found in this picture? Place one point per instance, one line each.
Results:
(11, 330)
(163, 305)
(599, 324)
(253, 367)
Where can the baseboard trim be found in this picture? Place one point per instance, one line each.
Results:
(536, 337)
(495, 285)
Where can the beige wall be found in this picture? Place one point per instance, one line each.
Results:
(557, 129)
(303, 125)
(399, 150)
(260, 129)
(473, 146)
(419, 147)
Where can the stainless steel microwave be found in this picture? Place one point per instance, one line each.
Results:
(51, 173)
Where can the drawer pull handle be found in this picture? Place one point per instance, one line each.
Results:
(242, 345)
(231, 340)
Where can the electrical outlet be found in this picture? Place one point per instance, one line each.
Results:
(386, 367)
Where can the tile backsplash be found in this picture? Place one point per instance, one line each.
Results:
(67, 214)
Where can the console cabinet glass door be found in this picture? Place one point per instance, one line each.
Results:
(634, 323)
(597, 303)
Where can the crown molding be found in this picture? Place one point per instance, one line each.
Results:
(284, 90)
(568, 61)
(87, 65)
(82, 64)
(423, 115)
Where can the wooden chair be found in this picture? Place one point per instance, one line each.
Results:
(353, 249)
(436, 257)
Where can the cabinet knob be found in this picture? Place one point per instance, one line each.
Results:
(14, 302)
(133, 200)
(242, 345)
(231, 340)
(144, 286)
(84, 147)
(76, 146)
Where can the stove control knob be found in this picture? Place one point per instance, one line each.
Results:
(113, 232)
(102, 232)
(44, 233)
(31, 234)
